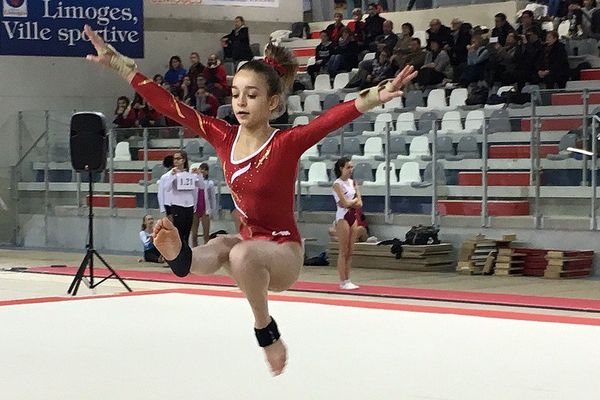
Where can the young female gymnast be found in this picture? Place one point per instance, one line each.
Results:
(348, 200)
(267, 255)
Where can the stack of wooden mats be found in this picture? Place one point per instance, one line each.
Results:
(426, 258)
(569, 264)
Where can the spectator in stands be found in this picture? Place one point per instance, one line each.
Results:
(416, 56)
(206, 206)
(323, 53)
(335, 30)
(357, 27)
(441, 33)
(506, 60)
(373, 25)
(461, 38)
(239, 41)
(554, 67)
(345, 55)
(584, 16)
(195, 70)
(151, 254)
(205, 102)
(387, 40)
(348, 200)
(502, 28)
(373, 72)
(125, 115)
(527, 22)
(476, 62)
(148, 117)
(185, 90)
(531, 56)
(437, 66)
(216, 78)
(176, 72)
(402, 46)
(158, 79)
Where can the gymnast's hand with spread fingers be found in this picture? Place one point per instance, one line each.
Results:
(166, 239)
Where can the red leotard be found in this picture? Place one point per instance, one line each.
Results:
(262, 184)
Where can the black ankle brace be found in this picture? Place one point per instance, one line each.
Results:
(182, 264)
(267, 335)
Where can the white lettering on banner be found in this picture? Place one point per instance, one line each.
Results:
(102, 15)
(26, 31)
(186, 181)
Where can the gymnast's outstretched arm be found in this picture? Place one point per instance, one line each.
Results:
(211, 129)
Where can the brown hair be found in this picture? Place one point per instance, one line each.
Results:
(183, 153)
(277, 84)
(144, 221)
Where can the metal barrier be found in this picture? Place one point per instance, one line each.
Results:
(35, 148)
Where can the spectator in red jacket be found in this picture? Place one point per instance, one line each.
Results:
(125, 116)
(357, 27)
(335, 30)
(216, 78)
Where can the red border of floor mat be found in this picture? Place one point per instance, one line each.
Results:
(365, 290)
(520, 316)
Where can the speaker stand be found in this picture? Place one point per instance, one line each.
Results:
(88, 260)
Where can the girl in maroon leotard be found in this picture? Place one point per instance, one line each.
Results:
(267, 255)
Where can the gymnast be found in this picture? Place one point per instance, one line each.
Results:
(260, 166)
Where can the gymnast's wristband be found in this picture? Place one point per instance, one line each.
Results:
(124, 66)
(267, 335)
(369, 98)
(182, 264)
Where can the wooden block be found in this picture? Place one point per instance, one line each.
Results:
(569, 253)
(510, 237)
(489, 263)
(568, 274)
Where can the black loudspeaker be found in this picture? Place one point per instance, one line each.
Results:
(88, 141)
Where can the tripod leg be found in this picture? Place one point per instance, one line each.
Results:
(112, 271)
(79, 275)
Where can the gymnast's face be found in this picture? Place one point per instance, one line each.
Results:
(347, 171)
(251, 102)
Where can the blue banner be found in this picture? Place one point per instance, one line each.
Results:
(55, 27)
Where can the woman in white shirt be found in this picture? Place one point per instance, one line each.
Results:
(182, 186)
(151, 253)
(348, 200)
(206, 206)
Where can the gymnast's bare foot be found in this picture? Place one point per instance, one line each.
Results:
(276, 355)
(166, 239)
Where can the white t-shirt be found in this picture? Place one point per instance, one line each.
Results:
(349, 193)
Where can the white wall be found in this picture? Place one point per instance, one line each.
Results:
(288, 11)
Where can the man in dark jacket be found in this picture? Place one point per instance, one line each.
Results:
(533, 51)
(553, 68)
(502, 29)
(441, 33)
(373, 24)
(386, 41)
(461, 38)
